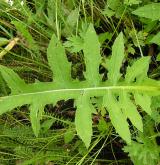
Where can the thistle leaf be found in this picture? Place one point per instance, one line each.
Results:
(139, 68)
(15, 83)
(117, 117)
(92, 56)
(115, 62)
(58, 62)
(144, 101)
(130, 111)
(83, 119)
(116, 95)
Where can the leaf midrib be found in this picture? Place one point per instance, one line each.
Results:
(97, 90)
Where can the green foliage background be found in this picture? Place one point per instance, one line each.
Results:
(78, 78)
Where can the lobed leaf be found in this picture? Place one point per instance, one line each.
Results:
(15, 83)
(117, 117)
(92, 56)
(83, 118)
(116, 94)
(115, 62)
(144, 101)
(74, 44)
(129, 109)
(58, 62)
(139, 68)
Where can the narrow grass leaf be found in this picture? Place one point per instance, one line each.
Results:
(22, 28)
(36, 110)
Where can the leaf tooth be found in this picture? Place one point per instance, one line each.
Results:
(130, 111)
(144, 101)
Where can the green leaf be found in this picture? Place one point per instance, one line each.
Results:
(104, 36)
(158, 57)
(130, 111)
(132, 2)
(83, 119)
(22, 28)
(39, 5)
(156, 39)
(113, 4)
(48, 95)
(73, 18)
(108, 12)
(103, 126)
(144, 153)
(3, 41)
(151, 11)
(69, 135)
(74, 44)
(139, 38)
(118, 95)
(144, 101)
(92, 56)
(115, 62)
(117, 118)
(15, 83)
(36, 110)
(57, 60)
(47, 124)
(139, 68)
